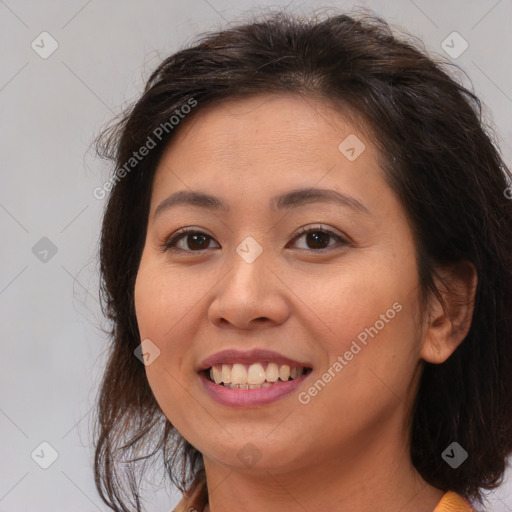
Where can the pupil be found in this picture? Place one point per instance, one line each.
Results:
(195, 237)
(315, 237)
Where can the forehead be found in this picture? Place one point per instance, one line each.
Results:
(268, 120)
(267, 140)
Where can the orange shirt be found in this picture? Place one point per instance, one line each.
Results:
(452, 502)
(197, 497)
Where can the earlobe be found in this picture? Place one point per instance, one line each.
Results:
(448, 321)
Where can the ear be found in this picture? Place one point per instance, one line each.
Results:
(448, 322)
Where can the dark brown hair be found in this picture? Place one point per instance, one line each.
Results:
(438, 157)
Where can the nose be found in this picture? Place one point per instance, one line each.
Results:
(249, 296)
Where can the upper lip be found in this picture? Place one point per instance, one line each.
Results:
(256, 355)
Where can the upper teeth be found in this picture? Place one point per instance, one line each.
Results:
(255, 373)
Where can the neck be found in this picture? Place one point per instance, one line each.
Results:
(376, 476)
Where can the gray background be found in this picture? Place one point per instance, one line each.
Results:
(53, 349)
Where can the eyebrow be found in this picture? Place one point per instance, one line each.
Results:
(292, 199)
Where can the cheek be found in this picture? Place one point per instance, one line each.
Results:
(366, 314)
(357, 294)
(167, 304)
(165, 298)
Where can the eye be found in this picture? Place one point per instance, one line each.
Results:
(188, 240)
(318, 236)
(192, 240)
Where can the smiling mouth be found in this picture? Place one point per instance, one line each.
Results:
(253, 376)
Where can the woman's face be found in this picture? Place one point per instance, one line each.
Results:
(341, 301)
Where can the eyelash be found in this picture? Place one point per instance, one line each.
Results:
(170, 244)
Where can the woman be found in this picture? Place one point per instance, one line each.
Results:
(307, 258)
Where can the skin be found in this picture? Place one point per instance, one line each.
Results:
(347, 449)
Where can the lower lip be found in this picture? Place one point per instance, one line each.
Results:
(250, 397)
